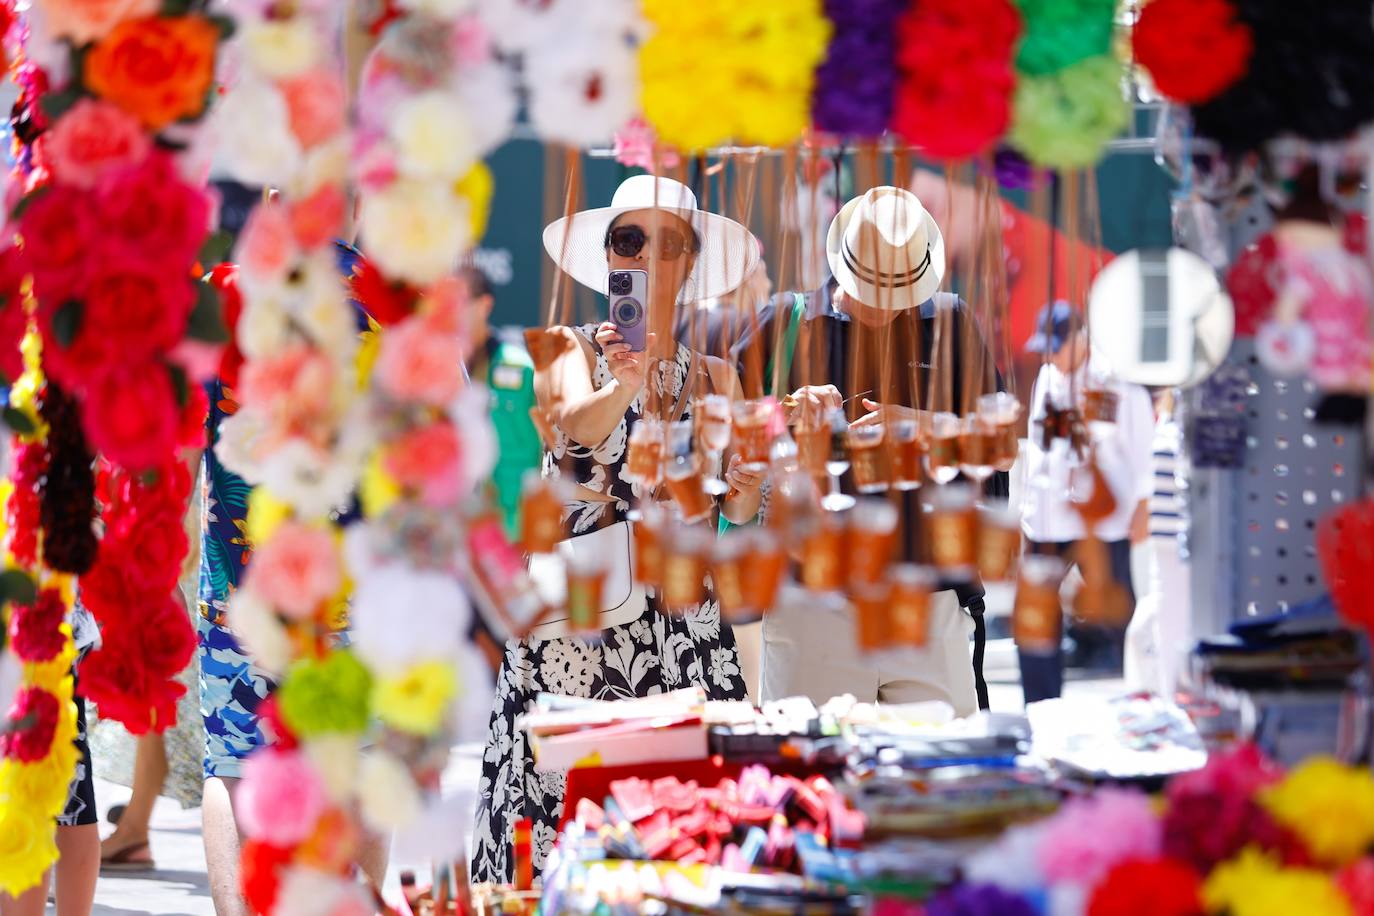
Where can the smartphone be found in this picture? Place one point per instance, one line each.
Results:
(629, 293)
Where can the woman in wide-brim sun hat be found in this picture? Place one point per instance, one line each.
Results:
(594, 393)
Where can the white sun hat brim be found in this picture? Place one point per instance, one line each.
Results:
(900, 279)
(729, 251)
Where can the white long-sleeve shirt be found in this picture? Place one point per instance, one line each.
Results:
(1124, 456)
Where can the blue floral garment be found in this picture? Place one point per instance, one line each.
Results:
(231, 687)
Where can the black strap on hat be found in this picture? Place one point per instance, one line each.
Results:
(883, 278)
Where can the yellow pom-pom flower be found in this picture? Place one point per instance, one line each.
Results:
(1329, 805)
(27, 849)
(1253, 884)
(415, 701)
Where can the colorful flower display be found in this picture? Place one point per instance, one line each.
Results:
(1238, 836)
(111, 226)
(321, 418)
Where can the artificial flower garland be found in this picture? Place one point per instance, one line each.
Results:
(1237, 836)
(113, 219)
(37, 751)
(298, 436)
(305, 432)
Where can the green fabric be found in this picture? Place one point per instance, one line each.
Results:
(789, 349)
(510, 379)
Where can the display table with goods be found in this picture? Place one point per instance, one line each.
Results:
(1098, 807)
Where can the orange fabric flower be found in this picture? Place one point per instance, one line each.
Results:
(159, 69)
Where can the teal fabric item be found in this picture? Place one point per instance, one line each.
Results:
(510, 379)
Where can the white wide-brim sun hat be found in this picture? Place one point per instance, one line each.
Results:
(729, 251)
(885, 250)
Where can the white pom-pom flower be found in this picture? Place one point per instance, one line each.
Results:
(260, 631)
(388, 797)
(254, 129)
(432, 136)
(415, 231)
(583, 92)
(434, 609)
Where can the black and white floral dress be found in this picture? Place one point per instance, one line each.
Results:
(651, 655)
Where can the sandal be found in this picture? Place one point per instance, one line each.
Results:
(138, 857)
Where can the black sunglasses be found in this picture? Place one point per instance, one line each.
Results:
(629, 240)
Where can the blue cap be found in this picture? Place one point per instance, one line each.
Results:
(1055, 324)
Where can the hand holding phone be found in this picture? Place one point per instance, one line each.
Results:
(629, 311)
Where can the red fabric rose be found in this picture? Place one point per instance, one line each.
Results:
(225, 278)
(166, 638)
(153, 545)
(149, 210)
(387, 302)
(191, 433)
(108, 590)
(1150, 887)
(1194, 49)
(32, 742)
(35, 629)
(132, 416)
(24, 508)
(260, 868)
(59, 233)
(163, 488)
(13, 321)
(133, 310)
(121, 684)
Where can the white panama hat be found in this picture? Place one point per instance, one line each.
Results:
(729, 252)
(885, 250)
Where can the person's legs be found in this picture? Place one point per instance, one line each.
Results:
(221, 835)
(1042, 674)
(130, 838)
(78, 869)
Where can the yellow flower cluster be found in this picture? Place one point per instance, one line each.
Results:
(719, 70)
(1329, 805)
(1253, 884)
(415, 700)
(32, 795)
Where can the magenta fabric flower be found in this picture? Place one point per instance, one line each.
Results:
(1088, 836)
(297, 570)
(281, 797)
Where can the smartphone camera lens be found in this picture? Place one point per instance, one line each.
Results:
(628, 313)
(620, 284)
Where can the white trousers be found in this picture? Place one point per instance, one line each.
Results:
(1161, 632)
(810, 649)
